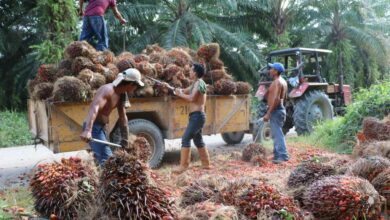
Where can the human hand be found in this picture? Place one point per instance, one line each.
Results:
(266, 117)
(178, 91)
(86, 136)
(123, 21)
(124, 143)
(81, 12)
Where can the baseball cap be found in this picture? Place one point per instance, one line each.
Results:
(130, 75)
(277, 66)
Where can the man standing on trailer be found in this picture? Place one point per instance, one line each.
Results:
(108, 97)
(94, 24)
(276, 112)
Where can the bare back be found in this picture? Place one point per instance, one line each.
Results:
(107, 100)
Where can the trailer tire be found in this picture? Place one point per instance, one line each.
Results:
(233, 137)
(151, 132)
(313, 106)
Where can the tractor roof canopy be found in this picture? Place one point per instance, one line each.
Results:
(293, 51)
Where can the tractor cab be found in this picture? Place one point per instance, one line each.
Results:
(301, 64)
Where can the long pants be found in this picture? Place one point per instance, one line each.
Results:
(278, 117)
(95, 26)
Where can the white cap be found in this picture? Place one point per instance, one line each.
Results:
(130, 75)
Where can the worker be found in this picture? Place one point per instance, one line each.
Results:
(108, 97)
(276, 113)
(196, 95)
(94, 24)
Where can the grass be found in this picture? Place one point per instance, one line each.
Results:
(15, 203)
(14, 130)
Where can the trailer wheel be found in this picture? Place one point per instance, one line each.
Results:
(313, 107)
(262, 133)
(233, 137)
(151, 133)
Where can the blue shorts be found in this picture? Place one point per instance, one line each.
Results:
(194, 130)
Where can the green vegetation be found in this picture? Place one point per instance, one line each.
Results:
(14, 129)
(340, 134)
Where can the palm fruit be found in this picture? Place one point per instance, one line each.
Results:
(185, 83)
(71, 89)
(65, 64)
(230, 190)
(252, 150)
(154, 48)
(103, 57)
(243, 88)
(124, 56)
(342, 197)
(159, 70)
(146, 69)
(80, 63)
(264, 200)
(214, 75)
(308, 172)
(209, 51)
(208, 210)
(63, 188)
(126, 191)
(95, 80)
(369, 167)
(141, 57)
(125, 64)
(216, 64)
(31, 83)
(42, 91)
(374, 129)
(225, 87)
(179, 57)
(79, 48)
(382, 184)
(210, 90)
(170, 71)
(156, 57)
(47, 73)
(111, 72)
(144, 148)
(201, 190)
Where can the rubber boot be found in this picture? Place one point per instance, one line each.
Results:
(204, 158)
(185, 158)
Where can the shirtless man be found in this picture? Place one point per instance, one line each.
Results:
(196, 95)
(276, 112)
(107, 98)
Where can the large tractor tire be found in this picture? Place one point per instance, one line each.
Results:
(148, 130)
(262, 130)
(233, 137)
(312, 108)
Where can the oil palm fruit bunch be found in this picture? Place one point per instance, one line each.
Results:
(342, 197)
(252, 150)
(369, 167)
(126, 192)
(63, 188)
(308, 172)
(264, 199)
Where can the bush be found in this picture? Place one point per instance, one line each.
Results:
(14, 129)
(340, 134)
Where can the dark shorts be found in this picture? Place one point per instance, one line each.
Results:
(194, 130)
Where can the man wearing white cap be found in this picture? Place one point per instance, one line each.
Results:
(108, 97)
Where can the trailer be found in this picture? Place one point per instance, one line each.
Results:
(58, 125)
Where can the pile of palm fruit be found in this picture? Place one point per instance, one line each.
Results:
(83, 70)
(126, 191)
(63, 188)
(254, 153)
(342, 197)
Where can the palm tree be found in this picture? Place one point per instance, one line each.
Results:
(188, 23)
(351, 29)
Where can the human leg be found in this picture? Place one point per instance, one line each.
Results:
(86, 31)
(102, 151)
(99, 27)
(277, 121)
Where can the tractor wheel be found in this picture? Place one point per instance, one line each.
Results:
(233, 137)
(313, 107)
(262, 131)
(150, 131)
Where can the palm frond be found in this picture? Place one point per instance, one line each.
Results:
(176, 35)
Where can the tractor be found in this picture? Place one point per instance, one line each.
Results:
(310, 98)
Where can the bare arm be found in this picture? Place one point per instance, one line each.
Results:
(189, 97)
(81, 12)
(124, 128)
(96, 105)
(118, 15)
